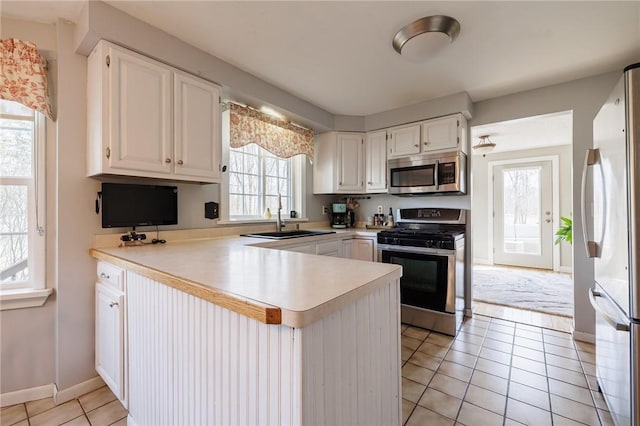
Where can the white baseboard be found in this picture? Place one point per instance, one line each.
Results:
(130, 421)
(583, 337)
(566, 269)
(75, 391)
(477, 261)
(24, 395)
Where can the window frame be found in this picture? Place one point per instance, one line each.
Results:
(32, 292)
(297, 181)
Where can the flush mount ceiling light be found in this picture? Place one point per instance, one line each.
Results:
(418, 40)
(484, 146)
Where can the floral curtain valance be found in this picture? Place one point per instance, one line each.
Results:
(23, 74)
(279, 137)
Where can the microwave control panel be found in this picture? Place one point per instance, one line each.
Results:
(446, 173)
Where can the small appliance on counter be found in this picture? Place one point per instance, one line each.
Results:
(339, 217)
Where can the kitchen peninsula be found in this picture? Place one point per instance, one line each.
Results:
(234, 331)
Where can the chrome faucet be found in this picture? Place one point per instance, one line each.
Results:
(279, 222)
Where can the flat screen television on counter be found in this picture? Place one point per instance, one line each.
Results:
(127, 205)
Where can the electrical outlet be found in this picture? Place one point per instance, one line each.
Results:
(379, 209)
(325, 210)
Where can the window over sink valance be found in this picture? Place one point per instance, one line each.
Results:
(23, 75)
(279, 137)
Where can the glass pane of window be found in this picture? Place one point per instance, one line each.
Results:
(15, 108)
(13, 233)
(16, 143)
(251, 164)
(522, 231)
(255, 178)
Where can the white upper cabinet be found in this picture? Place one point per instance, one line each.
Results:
(338, 166)
(376, 162)
(446, 133)
(197, 124)
(404, 140)
(140, 110)
(148, 119)
(350, 162)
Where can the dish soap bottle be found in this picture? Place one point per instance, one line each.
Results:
(267, 214)
(390, 218)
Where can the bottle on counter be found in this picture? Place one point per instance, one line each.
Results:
(390, 221)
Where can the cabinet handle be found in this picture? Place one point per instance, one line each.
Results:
(168, 160)
(103, 275)
(180, 162)
(108, 152)
(112, 304)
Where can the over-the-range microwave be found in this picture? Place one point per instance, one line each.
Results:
(428, 174)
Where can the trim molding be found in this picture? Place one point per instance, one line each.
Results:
(566, 269)
(75, 391)
(23, 298)
(583, 337)
(24, 395)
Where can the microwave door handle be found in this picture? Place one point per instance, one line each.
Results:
(590, 159)
(436, 171)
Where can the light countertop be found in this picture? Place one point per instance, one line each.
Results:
(250, 276)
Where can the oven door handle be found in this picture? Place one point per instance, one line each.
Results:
(416, 250)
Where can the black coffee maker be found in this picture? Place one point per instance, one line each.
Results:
(339, 217)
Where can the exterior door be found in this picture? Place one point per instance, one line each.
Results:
(522, 210)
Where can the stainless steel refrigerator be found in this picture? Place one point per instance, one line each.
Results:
(614, 244)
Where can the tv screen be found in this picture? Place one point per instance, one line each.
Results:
(126, 205)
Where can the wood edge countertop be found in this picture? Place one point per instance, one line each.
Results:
(264, 313)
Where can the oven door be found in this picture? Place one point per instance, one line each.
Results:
(427, 276)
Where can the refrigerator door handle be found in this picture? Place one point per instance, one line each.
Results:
(620, 326)
(590, 159)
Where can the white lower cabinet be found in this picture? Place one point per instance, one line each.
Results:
(363, 249)
(110, 350)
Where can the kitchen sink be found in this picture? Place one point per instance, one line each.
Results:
(282, 235)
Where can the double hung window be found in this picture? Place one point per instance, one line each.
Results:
(22, 212)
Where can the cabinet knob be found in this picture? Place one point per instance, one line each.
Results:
(417, 145)
(426, 143)
(180, 162)
(168, 160)
(112, 304)
(369, 183)
(103, 275)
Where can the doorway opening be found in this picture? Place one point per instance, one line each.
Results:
(519, 192)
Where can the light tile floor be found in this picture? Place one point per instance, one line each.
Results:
(97, 408)
(495, 372)
(499, 372)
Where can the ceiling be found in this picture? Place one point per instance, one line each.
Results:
(527, 133)
(338, 55)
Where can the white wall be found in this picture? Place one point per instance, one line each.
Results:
(480, 202)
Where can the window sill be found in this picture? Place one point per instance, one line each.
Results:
(23, 298)
(259, 221)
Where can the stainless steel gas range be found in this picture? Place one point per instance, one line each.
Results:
(429, 245)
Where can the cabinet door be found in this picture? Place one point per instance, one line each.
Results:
(347, 248)
(140, 108)
(196, 127)
(110, 338)
(404, 140)
(309, 248)
(440, 133)
(350, 162)
(362, 249)
(376, 162)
